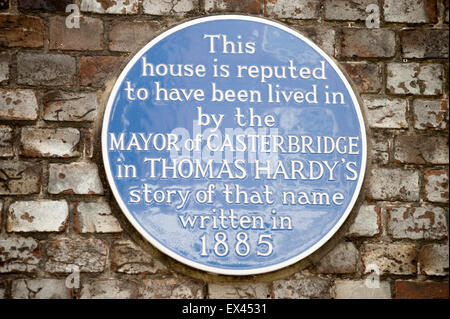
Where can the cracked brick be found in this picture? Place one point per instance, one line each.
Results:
(71, 107)
(242, 291)
(390, 258)
(386, 112)
(171, 288)
(109, 289)
(19, 254)
(128, 258)
(95, 218)
(19, 178)
(40, 289)
(89, 255)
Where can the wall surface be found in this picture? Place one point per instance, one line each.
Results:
(58, 214)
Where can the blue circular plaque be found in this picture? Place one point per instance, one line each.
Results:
(234, 144)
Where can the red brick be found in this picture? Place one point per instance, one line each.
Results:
(96, 70)
(368, 43)
(49, 5)
(21, 31)
(421, 290)
(127, 36)
(89, 36)
(241, 6)
(366, 76)
(421, 149)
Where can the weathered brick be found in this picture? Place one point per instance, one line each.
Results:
(49, 5)
(342, 259)
(19, 254)
(96, 70)
(424, 222)
(37, 216)
(242, 6)
(19, 178)
(391, 258)
(394, 184)
(421, 149)
(109, 289)
(161, 7)
(89, 36)
(367, 43)
(242, 291)
(171, 288)
(431, 43)
(366, 76)
(379, 152)
(414, 78)
(6, 141)
(111, 7)
(75, 178)
(357, 289)
(301, 287)
(45, 69)
(421, 290)
(4, 66)
(127, 36)
(367, 222)
(4, 5)
(89, 255)
(40, 289)
(128, 258)
(50, 142)
(431, 114)
(446, 13)
(73, 107)
(21, 31)
(88, 143)
(95, 218)
(347, 10)
(410, 11)
(436, 185)
(3, 289)
(283, 9)
(323, 36)
(18, 104)
(433, 260)
(386, 112)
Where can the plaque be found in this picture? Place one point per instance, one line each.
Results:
(234, 144)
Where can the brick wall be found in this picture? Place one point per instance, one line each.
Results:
(57, 211)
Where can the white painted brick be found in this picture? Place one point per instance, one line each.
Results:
(37, 216)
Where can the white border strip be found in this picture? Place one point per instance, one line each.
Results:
(169, 252)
